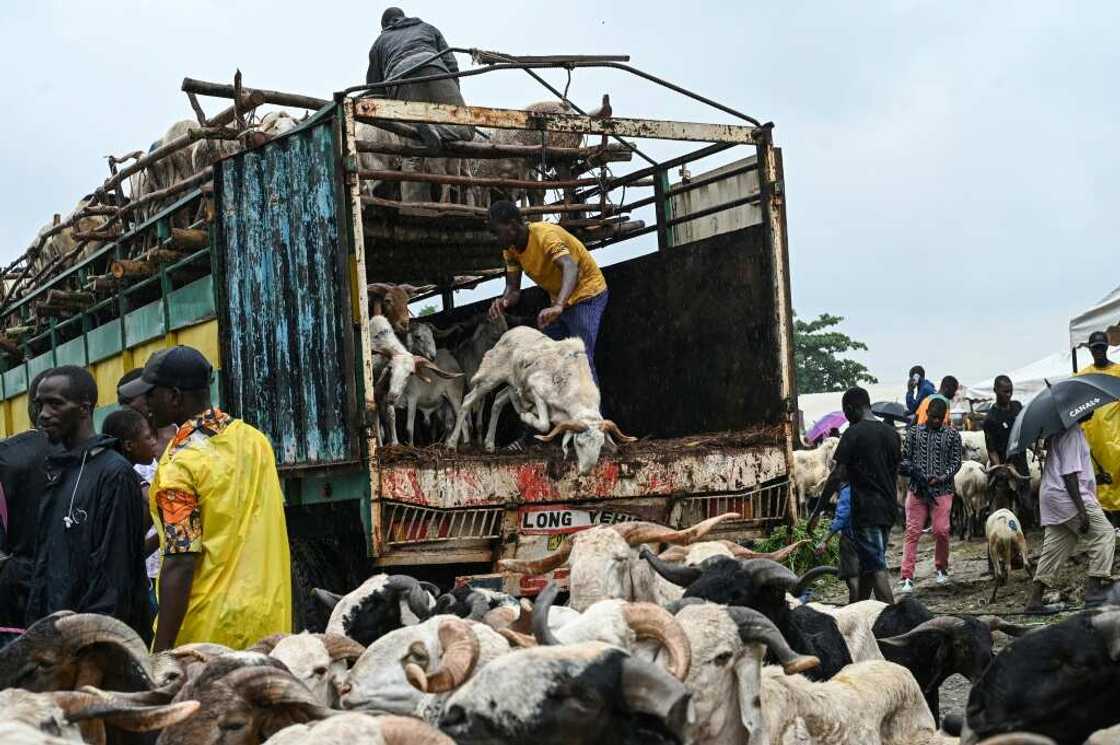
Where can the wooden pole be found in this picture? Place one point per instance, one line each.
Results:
(185, 185)
(131, 269)
(187, 240)
(507, 183)
(10, 346)
(62, 297)
(192, 136)
(102, 283)
(97, 235)
(222, 90)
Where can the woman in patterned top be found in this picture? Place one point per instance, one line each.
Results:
(931, 456)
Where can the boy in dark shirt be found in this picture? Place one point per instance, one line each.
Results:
(867, 458)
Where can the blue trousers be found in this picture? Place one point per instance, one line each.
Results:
(582, 320)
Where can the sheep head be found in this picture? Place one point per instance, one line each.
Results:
(65, 651)
(391, 301)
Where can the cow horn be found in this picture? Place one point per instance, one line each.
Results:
(267, 644)
(415, 595)
(612, 429)
(635, 533)
(755, 628)
(678, 574)
(541, 631)
(272, 686)
(456, 663)
(409, 731)
(740, 552)
(568, 425)
(341, 647)
(812, 576)
(423, 363)
(538, 566)
(650, 621)
(765, 572)
(81, 630)
(995, 623)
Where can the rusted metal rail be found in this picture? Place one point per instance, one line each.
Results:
(487, 150)
(468, 210)
(506, 183)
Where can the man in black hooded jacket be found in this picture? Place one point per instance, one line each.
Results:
(90, 552)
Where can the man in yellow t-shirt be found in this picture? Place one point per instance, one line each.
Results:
(561, 265)
(1103, 430)
(225, 573)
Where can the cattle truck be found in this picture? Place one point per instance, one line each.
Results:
(265, 267)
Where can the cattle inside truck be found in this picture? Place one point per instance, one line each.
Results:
(695, 347)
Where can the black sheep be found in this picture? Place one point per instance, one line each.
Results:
(762, 584)
(905, 615)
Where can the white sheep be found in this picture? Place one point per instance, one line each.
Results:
(971, 485)
(350, 728)
(974, 447)
(550, 386)
(856, 621)
(811, 469)
(1006, 545)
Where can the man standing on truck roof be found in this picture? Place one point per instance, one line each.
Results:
(562, 266)
(409, 48)
(225, 576)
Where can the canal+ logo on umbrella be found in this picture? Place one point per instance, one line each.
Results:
(1077, 411)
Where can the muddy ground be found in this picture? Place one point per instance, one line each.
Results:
(968, 591)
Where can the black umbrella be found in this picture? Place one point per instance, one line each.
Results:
(1061, 405)
(890, 410)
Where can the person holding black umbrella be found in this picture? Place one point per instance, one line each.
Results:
(1071, 516)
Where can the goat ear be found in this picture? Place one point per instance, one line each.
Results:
(326, 598)
(378, 288)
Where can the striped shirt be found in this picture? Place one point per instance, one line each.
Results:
(935, 452)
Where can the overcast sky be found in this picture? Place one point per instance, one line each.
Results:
(949, 166)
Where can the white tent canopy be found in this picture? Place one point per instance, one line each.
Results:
(1030, 379)
(1103, 316)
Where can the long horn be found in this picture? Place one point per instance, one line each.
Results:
(81, 630)
(640, 532)
(341, 647)
(612, 429)
(130, 718)
(941, 624)
(677, 606)
(764, 572)
(678, 574)
(568, 425)
(755, 628)
(460, 655)
(416, 596)
(650, 621)
(409, 731)
(423, 363)
(995, 623)
(538, 566)
(541, 632)
(739, 552)
(812, 576)
(1016, 474)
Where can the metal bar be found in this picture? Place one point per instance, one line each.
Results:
(750, 199)
(660, 186)
(486, 150)
(439, 178)
(684, 188)
(466, 209)
(680, 160)
(438, 113)
(484, 57)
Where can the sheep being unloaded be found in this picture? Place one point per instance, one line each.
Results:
(1007, 547)
(551, 389)
(409, 671)
(605, 565)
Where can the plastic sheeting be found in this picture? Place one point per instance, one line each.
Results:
(1103, 316)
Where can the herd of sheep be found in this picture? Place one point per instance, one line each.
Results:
(634, 657)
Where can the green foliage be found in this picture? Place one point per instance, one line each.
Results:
(818, 355)
(428, 310)
(804, 558)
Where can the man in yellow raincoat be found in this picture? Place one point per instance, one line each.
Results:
(225, 574)
(1103, 430)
